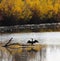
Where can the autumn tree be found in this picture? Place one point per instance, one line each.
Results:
(23, 10)
(16, 8)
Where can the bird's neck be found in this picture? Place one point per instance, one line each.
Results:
(32, 40)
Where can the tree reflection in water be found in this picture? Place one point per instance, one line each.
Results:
(19, 52)
(5, 55)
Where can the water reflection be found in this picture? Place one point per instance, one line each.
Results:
(49, 53)
(31, 53)
(17, 52)
(53, 53)
(5, 55)
(27, 56)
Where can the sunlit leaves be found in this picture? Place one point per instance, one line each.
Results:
(16, 8)
(25, 9)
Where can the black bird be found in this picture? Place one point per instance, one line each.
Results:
(32, 42)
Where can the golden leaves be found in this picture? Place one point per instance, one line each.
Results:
(16, 8)
(25, 9)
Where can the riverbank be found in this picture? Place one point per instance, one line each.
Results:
(48, 27)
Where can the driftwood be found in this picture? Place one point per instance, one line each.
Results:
(18, 48)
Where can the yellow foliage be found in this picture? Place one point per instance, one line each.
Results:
(25, 9)
(56, 8)
(16, 8)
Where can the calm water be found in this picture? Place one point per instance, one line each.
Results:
(51, 53)
(44, 38)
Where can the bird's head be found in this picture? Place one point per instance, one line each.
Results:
(32, 39)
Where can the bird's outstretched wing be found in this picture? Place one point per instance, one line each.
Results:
(29, 41)
(32, 42)
(35, 41)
